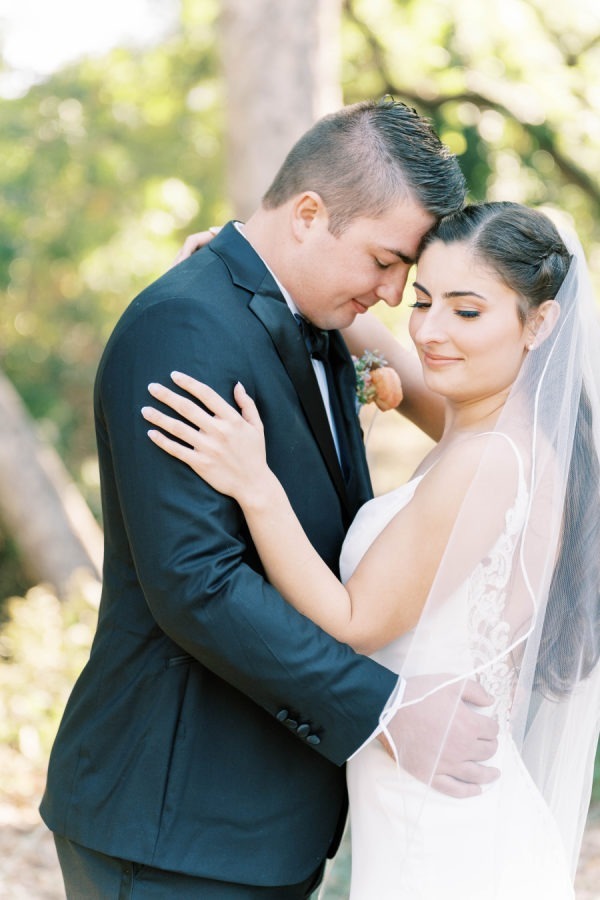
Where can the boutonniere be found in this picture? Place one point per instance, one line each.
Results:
(376, 382)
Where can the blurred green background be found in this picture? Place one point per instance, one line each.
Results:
(110, 161)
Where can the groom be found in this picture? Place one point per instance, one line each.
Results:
(201, 752)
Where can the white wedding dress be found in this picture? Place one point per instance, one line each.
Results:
(413, 843)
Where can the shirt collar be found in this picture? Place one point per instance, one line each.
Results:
(285, 293)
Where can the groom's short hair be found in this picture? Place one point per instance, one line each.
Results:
(366, 157)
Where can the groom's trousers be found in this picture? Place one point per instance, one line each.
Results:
(89, 875)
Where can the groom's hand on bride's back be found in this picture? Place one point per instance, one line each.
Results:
(446, 739)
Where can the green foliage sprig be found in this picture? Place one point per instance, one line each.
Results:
(363, 366)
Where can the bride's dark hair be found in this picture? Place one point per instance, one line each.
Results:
(522, 245)
(526, 250)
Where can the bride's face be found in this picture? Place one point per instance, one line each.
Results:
(465, 325)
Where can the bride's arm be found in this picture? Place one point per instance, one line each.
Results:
(385, 595)
(419, 404)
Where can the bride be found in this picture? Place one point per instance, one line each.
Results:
(485, 565)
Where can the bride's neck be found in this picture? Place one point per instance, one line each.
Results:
(473, 415)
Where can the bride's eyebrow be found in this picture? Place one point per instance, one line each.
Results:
(450, 294)
(420, 287)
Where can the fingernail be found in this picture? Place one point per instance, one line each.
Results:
(175, 375)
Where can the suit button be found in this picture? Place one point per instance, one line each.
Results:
(291, 724)
(282, 715)
(313, 739)
(303, 730)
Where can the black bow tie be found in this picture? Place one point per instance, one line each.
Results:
(317, 343)
(315, 340)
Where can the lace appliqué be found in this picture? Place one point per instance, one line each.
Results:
(489, 633)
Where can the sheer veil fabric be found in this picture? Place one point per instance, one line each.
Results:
(529, 637)
(515, 605)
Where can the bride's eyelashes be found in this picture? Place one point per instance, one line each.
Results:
(462, 313)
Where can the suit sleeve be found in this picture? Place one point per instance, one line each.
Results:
(189, 544)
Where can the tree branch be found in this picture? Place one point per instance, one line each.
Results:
(431, 103)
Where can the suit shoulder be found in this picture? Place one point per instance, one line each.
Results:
(198, 292)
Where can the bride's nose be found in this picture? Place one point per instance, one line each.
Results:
(429, 327)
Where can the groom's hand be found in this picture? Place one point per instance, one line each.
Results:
(444, 739)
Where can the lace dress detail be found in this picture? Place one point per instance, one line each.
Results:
(490, 634)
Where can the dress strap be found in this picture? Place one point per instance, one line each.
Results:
(517, 453)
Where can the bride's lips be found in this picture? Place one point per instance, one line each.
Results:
(434, 360)
(359, 307)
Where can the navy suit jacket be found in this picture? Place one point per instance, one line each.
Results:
(208, 731)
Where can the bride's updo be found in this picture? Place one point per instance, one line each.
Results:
(520, 244)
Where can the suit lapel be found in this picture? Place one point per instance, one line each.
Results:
(359, 482)
(249, 272)
(286, 336)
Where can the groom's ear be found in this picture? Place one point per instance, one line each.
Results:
(308, 213)
(541, 322)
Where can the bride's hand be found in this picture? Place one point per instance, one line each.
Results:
(225, 448)
(194, 242)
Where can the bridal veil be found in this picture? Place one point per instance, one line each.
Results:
(515, 603)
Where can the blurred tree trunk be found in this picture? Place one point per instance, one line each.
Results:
(281, 61)
(44, 512)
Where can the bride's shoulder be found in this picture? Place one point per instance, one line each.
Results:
(496, 446)
(490, 461)
(477, 478)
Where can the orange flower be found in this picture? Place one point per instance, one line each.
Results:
(388, 388)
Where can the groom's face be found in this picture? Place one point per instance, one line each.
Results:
(340, 277)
